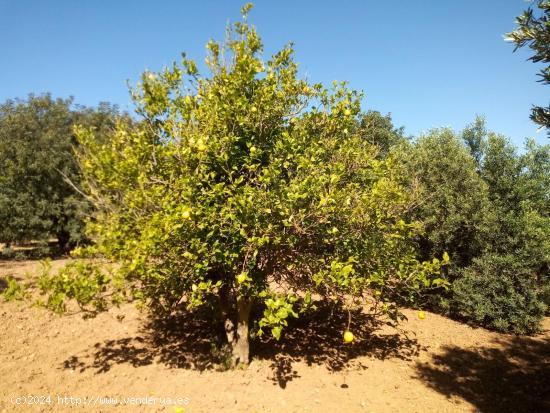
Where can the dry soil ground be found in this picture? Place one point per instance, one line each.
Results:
(435, 365)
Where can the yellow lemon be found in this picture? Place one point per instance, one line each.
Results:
(186, 214)
(241, 277)
(347, 112)
(421, 315)
(348, 336)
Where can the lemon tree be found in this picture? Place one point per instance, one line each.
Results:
(252, 187)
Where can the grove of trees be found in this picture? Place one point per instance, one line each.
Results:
(256, 194)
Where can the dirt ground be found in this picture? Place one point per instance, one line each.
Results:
(433, 365)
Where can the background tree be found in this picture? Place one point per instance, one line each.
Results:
(455, 198)
(534, 31)
(487, 206)
(507, 285)
(251, 187)
(36, 160)
(380, 131)
(474, 136)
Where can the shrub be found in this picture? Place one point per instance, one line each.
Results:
(499, 292)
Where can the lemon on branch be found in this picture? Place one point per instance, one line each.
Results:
(348, 336)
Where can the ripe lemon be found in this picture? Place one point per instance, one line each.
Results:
(241, 277)
(347, 112)
(348, 336)
(421, 315)
(186, 214)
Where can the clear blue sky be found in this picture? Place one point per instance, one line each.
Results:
(429, 63)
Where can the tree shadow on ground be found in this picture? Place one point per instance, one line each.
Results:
(3, 284)
(513, 376)
(194, 340)
(317, 339)
(187, 340)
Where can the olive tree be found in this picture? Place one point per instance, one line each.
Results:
(251, 187)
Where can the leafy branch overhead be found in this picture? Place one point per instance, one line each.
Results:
(533, 31)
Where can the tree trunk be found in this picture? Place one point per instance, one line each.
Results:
(241, 348)
(227, 316)
(63, 240)
(236, 333)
